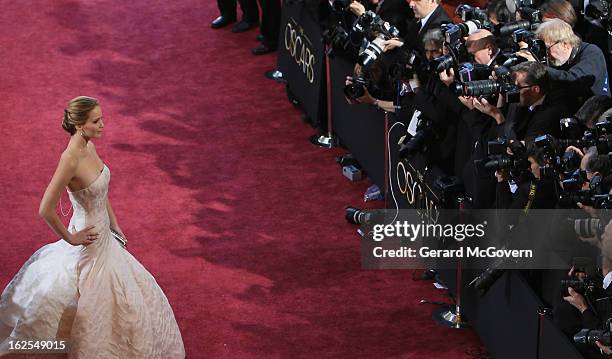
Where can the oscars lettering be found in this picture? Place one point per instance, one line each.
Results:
(416, 193)
(300, 48)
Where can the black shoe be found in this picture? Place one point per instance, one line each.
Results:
(259, 37)
(222, 21)
(244, 25)
(263, 49)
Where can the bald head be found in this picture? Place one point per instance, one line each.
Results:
(481, 45)
(482, 33)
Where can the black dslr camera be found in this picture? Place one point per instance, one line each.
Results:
(357, 87)
(499, 158)
(536, 46)
(600, 10)
(453, 40)
(408, 63)
(504, 85)
(425, 132)
(375, 28)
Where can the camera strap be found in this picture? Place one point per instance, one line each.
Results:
(573, 55)
(531, 196)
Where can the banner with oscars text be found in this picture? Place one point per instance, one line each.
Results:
(301, 58)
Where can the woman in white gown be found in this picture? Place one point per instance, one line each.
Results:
(86, 288)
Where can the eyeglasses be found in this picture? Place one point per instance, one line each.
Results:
(549, 47)
(524, 87)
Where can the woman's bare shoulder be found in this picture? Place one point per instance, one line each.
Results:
(69, 159)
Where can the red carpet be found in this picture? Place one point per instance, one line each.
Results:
(213, 181)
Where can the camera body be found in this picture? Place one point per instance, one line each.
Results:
(600, 10)
(408, 64)
(417, 143)
(499, 158)
(504, 85)
(453, 40)
(373, 26)
(357, 87)
(536, 46)
(469, 13)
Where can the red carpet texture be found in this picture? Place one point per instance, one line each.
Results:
(238, 217)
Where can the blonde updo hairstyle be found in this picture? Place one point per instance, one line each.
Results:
(77, 112)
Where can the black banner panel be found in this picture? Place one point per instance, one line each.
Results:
(361, 128)
(301, 58)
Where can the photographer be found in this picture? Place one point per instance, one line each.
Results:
(428, 15)
(528, 190)
(538, 113)
(432, 48)
(474, 131)
(559, 9)
(425, 109)
(395, 12)
(592, 109)
(577, 67)
(482, 47)
(498, 12)
(588, 309)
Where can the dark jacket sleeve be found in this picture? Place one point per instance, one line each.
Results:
(589, 72)
(590, 320)
(546, 121)
(503, 195)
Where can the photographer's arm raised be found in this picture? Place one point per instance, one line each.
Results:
(482, 105)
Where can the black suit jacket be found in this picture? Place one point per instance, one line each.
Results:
(414, 33)
(395, 12)
(523, 124)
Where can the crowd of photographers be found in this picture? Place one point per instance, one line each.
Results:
(512, 102)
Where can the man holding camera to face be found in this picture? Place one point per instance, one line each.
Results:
(579, 68)
(537, 112)
(584, 308)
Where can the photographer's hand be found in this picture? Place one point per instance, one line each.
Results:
(357, 8)
(501, 175)
(347, 82)
(367, 98)
(467, 101)
(525, 54)
(485, 107)
(447, 77)
(357, 70)
(588, 209)
(578, 274)
(575, 149)
(392, 44)
(604, 349)
(576, 299)
(386, 106)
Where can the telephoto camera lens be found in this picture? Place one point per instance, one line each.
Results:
(509, 28)
(588, 227)
(372, 51)
(480, 88)
(356, 215)
(500, 163)
(589, 336)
